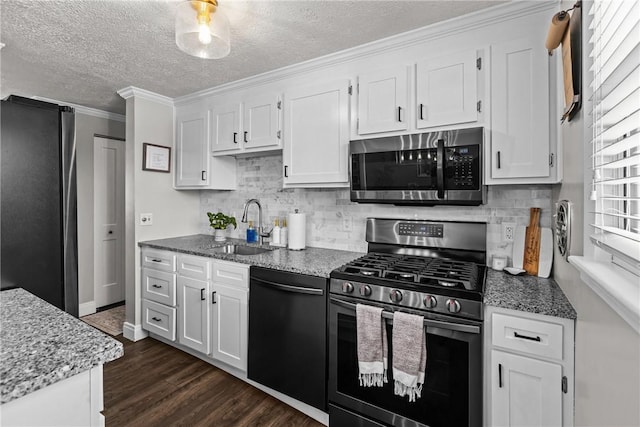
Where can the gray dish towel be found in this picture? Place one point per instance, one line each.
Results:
(409, 354)
(371, 345)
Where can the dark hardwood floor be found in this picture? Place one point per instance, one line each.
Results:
(154, 384)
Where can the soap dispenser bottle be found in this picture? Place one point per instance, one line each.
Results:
(252, 234)
(275, 233)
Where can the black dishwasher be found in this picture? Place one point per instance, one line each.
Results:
(288, 334)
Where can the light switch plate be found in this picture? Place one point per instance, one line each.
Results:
(146, 219)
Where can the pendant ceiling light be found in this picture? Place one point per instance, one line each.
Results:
(202, 30)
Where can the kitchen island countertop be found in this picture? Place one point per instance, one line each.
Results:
(41, 345)
(312, 261)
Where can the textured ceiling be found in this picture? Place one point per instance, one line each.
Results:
(83, 51)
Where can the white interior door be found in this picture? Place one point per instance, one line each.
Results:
(108, 163)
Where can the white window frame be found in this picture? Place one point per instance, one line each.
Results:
(613, 276)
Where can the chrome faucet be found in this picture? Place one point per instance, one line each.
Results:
(261, 232)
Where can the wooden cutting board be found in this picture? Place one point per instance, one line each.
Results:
(532, 243)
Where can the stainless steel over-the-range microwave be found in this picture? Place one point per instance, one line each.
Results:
(434, 168)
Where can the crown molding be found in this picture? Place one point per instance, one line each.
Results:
(88, 111)
(450, 27)
(131, 91)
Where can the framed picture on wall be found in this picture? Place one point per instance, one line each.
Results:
(156, 158)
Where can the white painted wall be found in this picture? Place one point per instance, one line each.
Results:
(86, 127)
(174, 212)
(607, 362)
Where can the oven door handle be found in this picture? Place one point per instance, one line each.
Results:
(427, 322)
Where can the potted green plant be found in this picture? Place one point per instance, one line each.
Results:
(219, 222)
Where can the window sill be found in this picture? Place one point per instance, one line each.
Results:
(618, 288)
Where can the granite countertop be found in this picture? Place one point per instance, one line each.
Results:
(523, 293)
(527, 293)
(312, 261)
(41, 345)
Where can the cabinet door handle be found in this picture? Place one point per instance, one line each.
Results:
(202, 297)
(235, 137)
(399, 113)
(156, 286)
(421, 111)
(245, 136)
(524, 337)
(203, 175)
(286, 171)
(500, 375)
(156, 260)
(498, 160)
(155, 319)
(213, 297)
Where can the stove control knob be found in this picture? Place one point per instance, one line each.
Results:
(395, 295)
(347, 287)
(453, 306)
(430, 301)
(365, 290)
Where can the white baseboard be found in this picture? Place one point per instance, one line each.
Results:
(133, 332)
(86, 308)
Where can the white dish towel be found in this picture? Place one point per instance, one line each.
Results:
(409, 354)
(371, 345)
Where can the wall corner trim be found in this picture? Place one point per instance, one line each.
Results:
(86, 308)
(133, 332)
(132, 91)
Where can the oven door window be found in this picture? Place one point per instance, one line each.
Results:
(449, 380)
(394, 170)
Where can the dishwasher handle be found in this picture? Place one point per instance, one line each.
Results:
(290, 288)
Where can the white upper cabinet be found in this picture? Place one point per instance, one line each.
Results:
(247, 126)
(522, 145)
(447, 90)
(316, 128)
(195, 168)
(225, 123)
(382, 100)
(191, 149)
(261, 122)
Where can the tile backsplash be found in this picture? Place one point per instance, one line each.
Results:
(334, 222)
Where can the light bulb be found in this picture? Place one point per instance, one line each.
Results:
(203, 33)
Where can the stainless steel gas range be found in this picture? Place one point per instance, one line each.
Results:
(436, 270)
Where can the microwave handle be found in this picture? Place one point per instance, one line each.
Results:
(440, 169)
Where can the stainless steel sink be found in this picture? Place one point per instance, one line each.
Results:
(240, 249)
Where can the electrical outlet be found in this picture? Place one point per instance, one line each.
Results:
(146, 219)
(347, 224)
(508, 231)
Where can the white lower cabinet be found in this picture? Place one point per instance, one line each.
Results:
(525, 391)
(229, 325)
(529, 369)
(193, 312)
(199, 302)
(230, 317)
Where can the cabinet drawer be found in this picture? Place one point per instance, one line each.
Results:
(159, 260)
(159, 319)
(159, 286)
(530, 336)
(194, 267)
(231, 273)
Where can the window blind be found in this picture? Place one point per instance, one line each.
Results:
(615, 86)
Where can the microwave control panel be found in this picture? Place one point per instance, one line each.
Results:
(420, 229)
(463, 167)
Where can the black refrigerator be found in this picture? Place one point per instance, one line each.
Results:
(38, 211)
